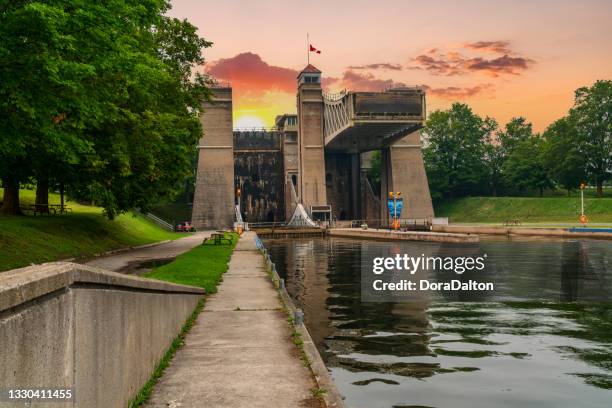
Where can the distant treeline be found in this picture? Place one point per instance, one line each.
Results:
(466, 155)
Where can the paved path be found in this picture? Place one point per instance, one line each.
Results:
(239, 352)
(122, 261)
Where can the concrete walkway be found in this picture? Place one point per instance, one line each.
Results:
(122, 261)
(239, 353)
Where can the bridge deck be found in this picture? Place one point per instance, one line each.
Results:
(362, 121)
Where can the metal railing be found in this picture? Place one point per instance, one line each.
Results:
(406, 224)
(271, 224)
(263, 129)
(162, 223)
(334, 96)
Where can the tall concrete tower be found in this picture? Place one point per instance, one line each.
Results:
(402, 169)
(213, 201)
(311, 142)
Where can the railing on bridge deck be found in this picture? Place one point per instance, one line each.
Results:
(406, 224)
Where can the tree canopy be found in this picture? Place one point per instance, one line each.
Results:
(592, 115)
(455, 146)
(101, 97)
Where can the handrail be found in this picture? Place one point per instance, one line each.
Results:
(162, 223)
(263, 129)
(336, 96)
(238, 214)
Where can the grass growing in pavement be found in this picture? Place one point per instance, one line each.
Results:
(85, 232)
(527, 209)
(202, 266)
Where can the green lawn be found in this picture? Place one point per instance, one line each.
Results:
(28, 239)
(527, 209)
(202, 266)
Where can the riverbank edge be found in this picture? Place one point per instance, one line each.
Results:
(331, 396)
(523, 231)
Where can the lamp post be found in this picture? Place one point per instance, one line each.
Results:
(583, 218)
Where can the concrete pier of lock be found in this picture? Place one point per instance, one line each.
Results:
(318, 158)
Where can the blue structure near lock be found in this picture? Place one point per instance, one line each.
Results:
(395, 207)
(584, 229)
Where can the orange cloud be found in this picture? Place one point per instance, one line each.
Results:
(365, 82)
(248, 72)
(497, 66)
(454, 92)
(454, 63)
(499, 47)
(380, 65)
(264, 91)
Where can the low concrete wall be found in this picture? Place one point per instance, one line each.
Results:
(100, 333)
(387, 235)
(544, 232)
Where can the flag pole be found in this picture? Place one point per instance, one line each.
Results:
(307, 48)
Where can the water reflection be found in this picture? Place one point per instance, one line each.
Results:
(543, 338)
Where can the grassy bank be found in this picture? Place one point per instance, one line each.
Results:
(527, 209)
(29, 239)
(202, 266)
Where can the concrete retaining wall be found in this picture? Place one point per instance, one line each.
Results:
(545, 232)
(386, 235)
(98, 332)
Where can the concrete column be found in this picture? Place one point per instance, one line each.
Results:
(311, 162)
(403, 168)
(213, 202)
(355, 177)
(386, 184)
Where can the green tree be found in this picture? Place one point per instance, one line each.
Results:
(98, 96)
(592, 114)
(517, 130)
(562, 157)
(493, 158)
(525, 168)
(455, 146)
(41, 73)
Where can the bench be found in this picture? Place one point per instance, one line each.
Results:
(46, 209)
(515, 221)
(217, 238)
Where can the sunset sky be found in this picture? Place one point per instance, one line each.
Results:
(503, 58)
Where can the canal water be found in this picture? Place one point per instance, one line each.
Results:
(543, 338)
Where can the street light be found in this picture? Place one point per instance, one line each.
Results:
(583, 218)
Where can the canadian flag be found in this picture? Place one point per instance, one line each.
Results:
(313, 49)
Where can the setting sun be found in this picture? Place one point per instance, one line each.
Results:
(249, 122)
